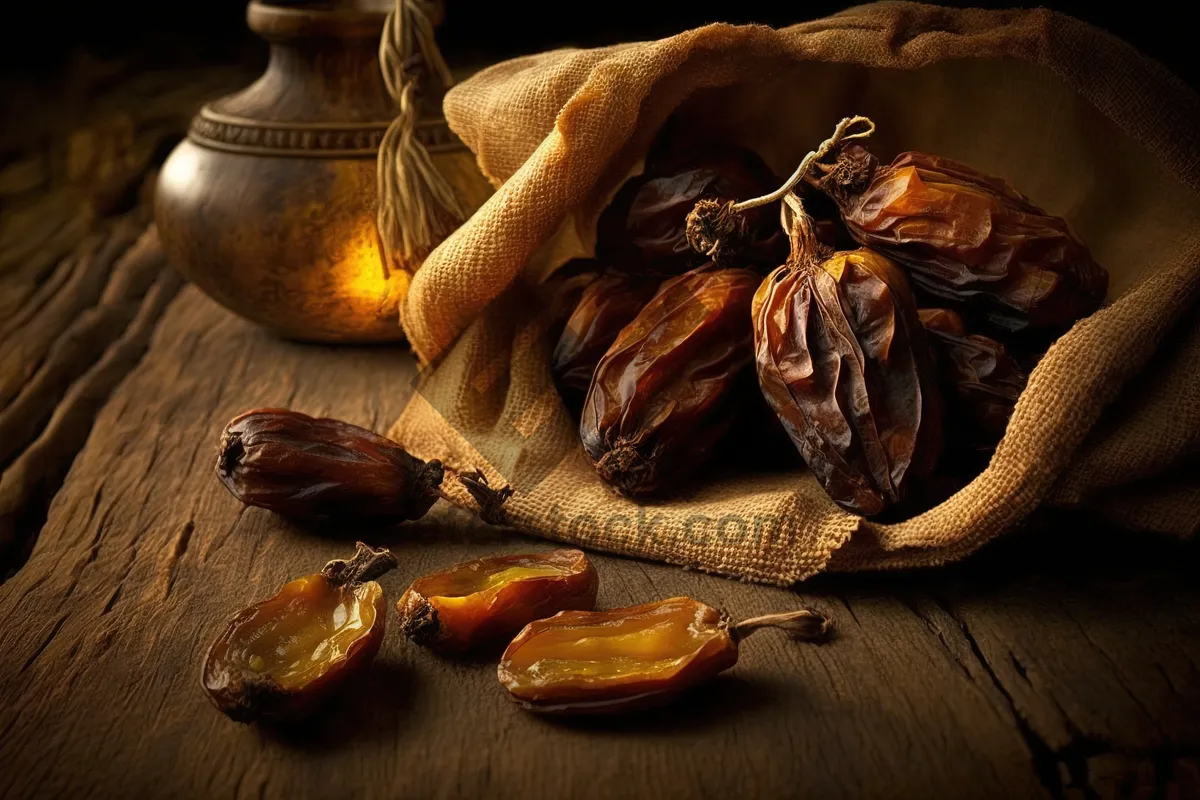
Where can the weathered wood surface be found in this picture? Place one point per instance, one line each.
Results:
(1075, 676)
(1071, 672)
(82, 281)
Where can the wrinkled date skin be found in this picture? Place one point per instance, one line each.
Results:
(643, 229)
(843, 360)
(664, 395)
(483, 603)
(968, 239)
(600, 662)
(984, 379)
(606, 306)
(281, 658)
(303, 467)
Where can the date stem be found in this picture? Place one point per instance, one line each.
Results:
(803, 625)
(710, 223)
(490, 500)
(366, 564)
(839, 135)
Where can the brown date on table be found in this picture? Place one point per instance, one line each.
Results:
(598, 662)
(282, 657)
(483, 603)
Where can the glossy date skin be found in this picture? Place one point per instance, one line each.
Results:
(282, 657)
(843, 360)
(968, 239)
(983, 379)
(603, 662)
(303, 467)
(483, 603)
(608, 661)
(605, 306)
(643, 229)
(665, 394)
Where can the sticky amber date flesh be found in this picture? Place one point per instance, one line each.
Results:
(484, 602)
(607, 661)
(281, 657)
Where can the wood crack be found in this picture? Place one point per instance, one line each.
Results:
(41, 468)
(181, 547)
(45, 643)
(113, 598)
(1044, 757)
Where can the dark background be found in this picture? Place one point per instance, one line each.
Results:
(41, 35)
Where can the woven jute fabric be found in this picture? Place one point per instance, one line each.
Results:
(1078, 120)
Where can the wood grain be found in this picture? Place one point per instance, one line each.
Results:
(990, 678)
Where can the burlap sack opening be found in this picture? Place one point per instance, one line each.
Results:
(1086, 126)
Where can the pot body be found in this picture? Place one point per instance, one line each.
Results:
(269, 204)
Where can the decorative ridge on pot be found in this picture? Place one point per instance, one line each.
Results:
(270, 204)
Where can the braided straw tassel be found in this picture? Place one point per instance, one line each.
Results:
(417, 205)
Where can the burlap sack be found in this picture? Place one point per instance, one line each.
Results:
(1085, 125)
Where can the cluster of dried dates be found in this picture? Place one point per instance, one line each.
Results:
(898, 325)
(282, 657)
(894, 328)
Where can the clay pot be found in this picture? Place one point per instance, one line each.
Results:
(269, 204)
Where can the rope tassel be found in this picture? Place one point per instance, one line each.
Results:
(418, 207)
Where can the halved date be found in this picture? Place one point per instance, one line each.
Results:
(608, 661)
(485, 601)
(282, 657)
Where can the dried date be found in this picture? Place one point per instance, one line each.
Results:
(843, 360)
(968, 239)
(580, 662)
(664, 395)
(282, 657)
(606, 306)
(984, 380)
(304, 467)
(643, 230)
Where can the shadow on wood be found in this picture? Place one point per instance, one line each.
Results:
(371, 709)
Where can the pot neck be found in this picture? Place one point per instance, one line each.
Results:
(323, 66)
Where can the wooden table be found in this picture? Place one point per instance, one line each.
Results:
(1063, 661)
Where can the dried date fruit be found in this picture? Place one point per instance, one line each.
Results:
(843, 360)
(968, 239)
(606, 306)
(485, 602)
(589, 662)
(303, 467)
(643, 230)
(985, 381)
(280, 658)
(663, 397)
